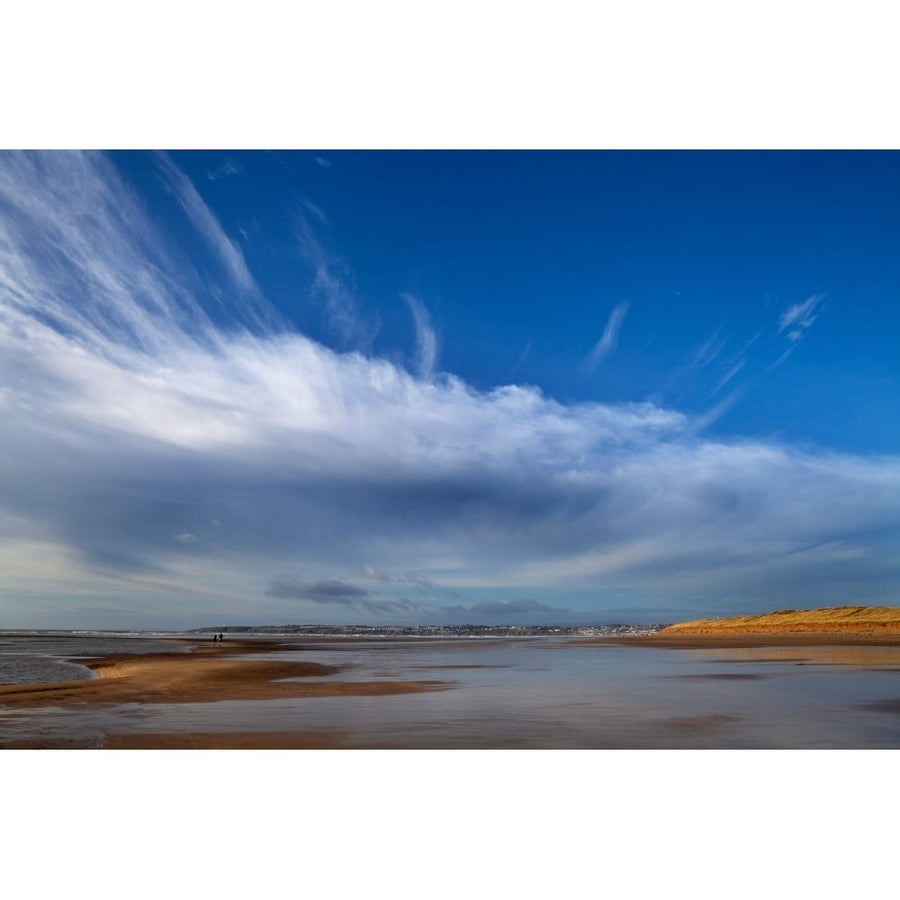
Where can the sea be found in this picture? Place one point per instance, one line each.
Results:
(509, 692)
(37, 656)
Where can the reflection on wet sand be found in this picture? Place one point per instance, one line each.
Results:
(722, 676)
(872, 656)
(549, 693)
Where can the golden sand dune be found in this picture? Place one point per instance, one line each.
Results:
(831, 620)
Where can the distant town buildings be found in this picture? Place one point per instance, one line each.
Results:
(468, 630)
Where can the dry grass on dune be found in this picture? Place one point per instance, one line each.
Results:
(835, 619)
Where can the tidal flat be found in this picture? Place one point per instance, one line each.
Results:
(544, 692)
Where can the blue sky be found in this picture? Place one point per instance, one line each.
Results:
(347, 386)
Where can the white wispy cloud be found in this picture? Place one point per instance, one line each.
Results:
(609, 339)
(321, 161)
(782, 358)
(314, 210)
(526, 352)
(208, 225)
(426, 339)
(78, 252)
(710, 416)
(228, 168)
(332, 286)
(131, 422)
(729, 374)
(708, 350)
(797, 319)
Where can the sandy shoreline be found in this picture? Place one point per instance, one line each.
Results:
(724, 640)
(206, 674)
(245, 670)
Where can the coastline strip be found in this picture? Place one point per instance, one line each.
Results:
(723, 640)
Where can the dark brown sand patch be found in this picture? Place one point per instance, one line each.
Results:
(234, 740)
(49, 744)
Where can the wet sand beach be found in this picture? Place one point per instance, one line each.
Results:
(246, 740)
(667, 690)
(206, 674)
(725, 640)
